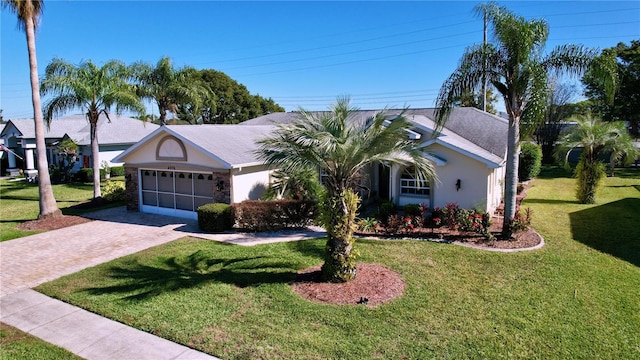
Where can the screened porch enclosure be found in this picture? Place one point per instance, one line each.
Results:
(173, 192)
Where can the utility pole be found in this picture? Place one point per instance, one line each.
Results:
(484, 73)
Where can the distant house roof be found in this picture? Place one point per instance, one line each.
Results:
(120, 130)
(468, 129)
(233, 146)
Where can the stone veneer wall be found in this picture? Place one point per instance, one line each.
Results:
(131, 185)
(223, 196)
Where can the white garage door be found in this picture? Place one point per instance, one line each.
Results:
(174, 193)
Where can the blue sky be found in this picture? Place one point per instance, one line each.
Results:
(301, 54)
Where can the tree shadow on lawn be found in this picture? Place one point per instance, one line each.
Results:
(637, 187)
(139, 281)
(612, 228)
(530, 200)
(312, 248)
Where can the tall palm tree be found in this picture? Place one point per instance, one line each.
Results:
(167, 86)
(28, 12)
(341, 146)
(94, 90)
(518, 69)
(595, 138)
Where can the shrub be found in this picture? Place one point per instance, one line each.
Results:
(256, 215)
(530, 161)
(368, 224)
(215, 217)
(449, 215)
(114, 191)
(86, 175)
(117, 171)
(519, 222)
(385, 210)
(412, 210)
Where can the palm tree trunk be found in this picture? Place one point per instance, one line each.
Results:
(339, 218)
(95, 157)
(47, 202)
(511, 177)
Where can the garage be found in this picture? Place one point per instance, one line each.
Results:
(174, 193)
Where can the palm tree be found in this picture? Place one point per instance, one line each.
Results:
(167, 86)
(595, 139)
(517, 68)
(28, 12)
(341, 146)
(94, 90)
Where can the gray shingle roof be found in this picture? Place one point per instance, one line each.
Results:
(234, 145)
(467, 128)
(121, 129)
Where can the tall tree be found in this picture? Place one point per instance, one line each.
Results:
(28, 12)
(94, 90)
(474, 99)
(556, 114)
(168, 86)
(595, 138)
(229, 102)
(518, 69)
(341, 147)
(626, 102)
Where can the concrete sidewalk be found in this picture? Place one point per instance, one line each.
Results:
(36, 259)
(84, 333)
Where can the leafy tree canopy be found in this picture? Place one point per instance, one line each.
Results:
(626, 102)
(229, 102)
(470, 98)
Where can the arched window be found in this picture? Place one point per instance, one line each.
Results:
(171, 148)
(410, 185)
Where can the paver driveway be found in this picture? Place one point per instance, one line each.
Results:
(36, 259)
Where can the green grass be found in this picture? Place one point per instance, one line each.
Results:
(19, 203)
(577, 298)
(17, 345)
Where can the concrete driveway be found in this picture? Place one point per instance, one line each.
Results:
(33, 260)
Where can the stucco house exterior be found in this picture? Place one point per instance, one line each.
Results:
(114, 137)
(177, 168)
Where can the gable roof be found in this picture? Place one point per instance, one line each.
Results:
(120, 130)
(476, 133)
(232, 145)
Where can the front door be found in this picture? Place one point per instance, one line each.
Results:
(384, 176)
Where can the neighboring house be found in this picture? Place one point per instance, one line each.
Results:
(177, 168)
(114, 137)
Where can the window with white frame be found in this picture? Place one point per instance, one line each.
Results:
(411, 185)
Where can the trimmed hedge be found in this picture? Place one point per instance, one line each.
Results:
(530, 161)
(117, 171)
(86, 175)
(257, 215)
(215, 217)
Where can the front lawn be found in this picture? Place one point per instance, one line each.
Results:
(18, 345)
(578, 297)
(19, 203)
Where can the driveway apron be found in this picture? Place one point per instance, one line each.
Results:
(33, 260)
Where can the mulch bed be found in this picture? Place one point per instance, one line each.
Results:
(374, 285)
(53, 223)
(521, 240)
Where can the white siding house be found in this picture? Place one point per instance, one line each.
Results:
(177, 168)
(114, 137)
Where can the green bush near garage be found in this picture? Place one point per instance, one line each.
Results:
(530, 161)
(215, 217)
(117, 171)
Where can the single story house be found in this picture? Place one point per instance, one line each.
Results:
(114, 137)
(177, 168)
